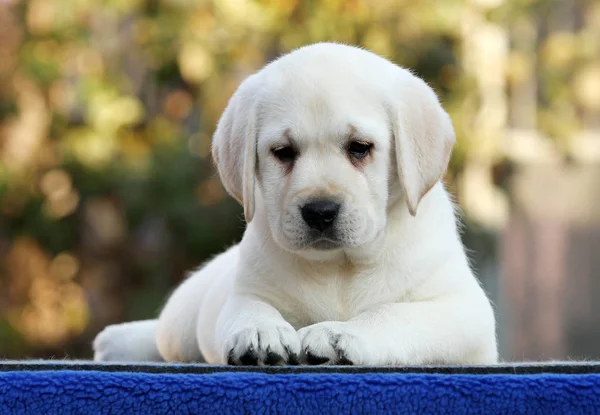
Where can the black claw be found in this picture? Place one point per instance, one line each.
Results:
(293, 359)
(274, 359)
(344, 361)
(249, 358)
(230, 359)
(312, 359)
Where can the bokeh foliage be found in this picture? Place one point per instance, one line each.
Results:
(107, 191)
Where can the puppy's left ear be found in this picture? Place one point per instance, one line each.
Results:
(424, 137)
(234, 145)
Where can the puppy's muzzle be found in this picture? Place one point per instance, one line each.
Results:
(320, 215)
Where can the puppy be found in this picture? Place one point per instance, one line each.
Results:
(351, 253)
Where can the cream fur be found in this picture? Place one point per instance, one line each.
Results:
(396, 289)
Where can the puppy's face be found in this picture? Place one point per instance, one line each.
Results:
(326, 133)
(323, 163)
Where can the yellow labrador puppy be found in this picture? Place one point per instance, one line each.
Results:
(351, 253)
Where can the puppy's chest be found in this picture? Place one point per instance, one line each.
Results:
(332, 297)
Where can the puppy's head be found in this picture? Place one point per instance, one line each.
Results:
(325, 134)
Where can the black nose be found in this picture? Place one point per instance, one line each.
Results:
(320, 215)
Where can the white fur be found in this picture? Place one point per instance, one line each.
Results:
(394, 288)
(128, 342)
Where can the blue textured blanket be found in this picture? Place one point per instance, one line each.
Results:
(87, 390)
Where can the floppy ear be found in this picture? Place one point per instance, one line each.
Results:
(234, 145)
(424, 137)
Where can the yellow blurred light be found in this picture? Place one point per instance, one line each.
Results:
(53, 317)
(195, 63)
(47, 307)
(488, 4)
(378, 41)
(110, 112)
(333, 5)
(42, 291)
(89, 62)
(282, 8)
(55, 184)
(245, 56)
(129, 109)
(40, 17)
(202, 22)
(64, 206)
(75, 310)
(586, 87)
(559, 49)
(65, 266)
(90, 148)
(520, 67)
(62, 200)
(244, 12)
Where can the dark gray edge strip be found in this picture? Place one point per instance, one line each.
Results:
(510, 369)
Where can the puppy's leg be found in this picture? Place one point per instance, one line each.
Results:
(252, 332)
(177, 330)
(449, 331)
(172, 337)
(128, 342)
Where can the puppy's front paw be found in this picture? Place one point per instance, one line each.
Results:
(331, 343)
(271, 345)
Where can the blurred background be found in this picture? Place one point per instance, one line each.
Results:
(108, 195)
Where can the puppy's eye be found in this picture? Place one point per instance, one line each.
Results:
(359, 149)
(285, 154)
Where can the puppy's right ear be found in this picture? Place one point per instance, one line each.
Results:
(234, 145)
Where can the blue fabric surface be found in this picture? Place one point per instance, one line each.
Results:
(94, 392)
